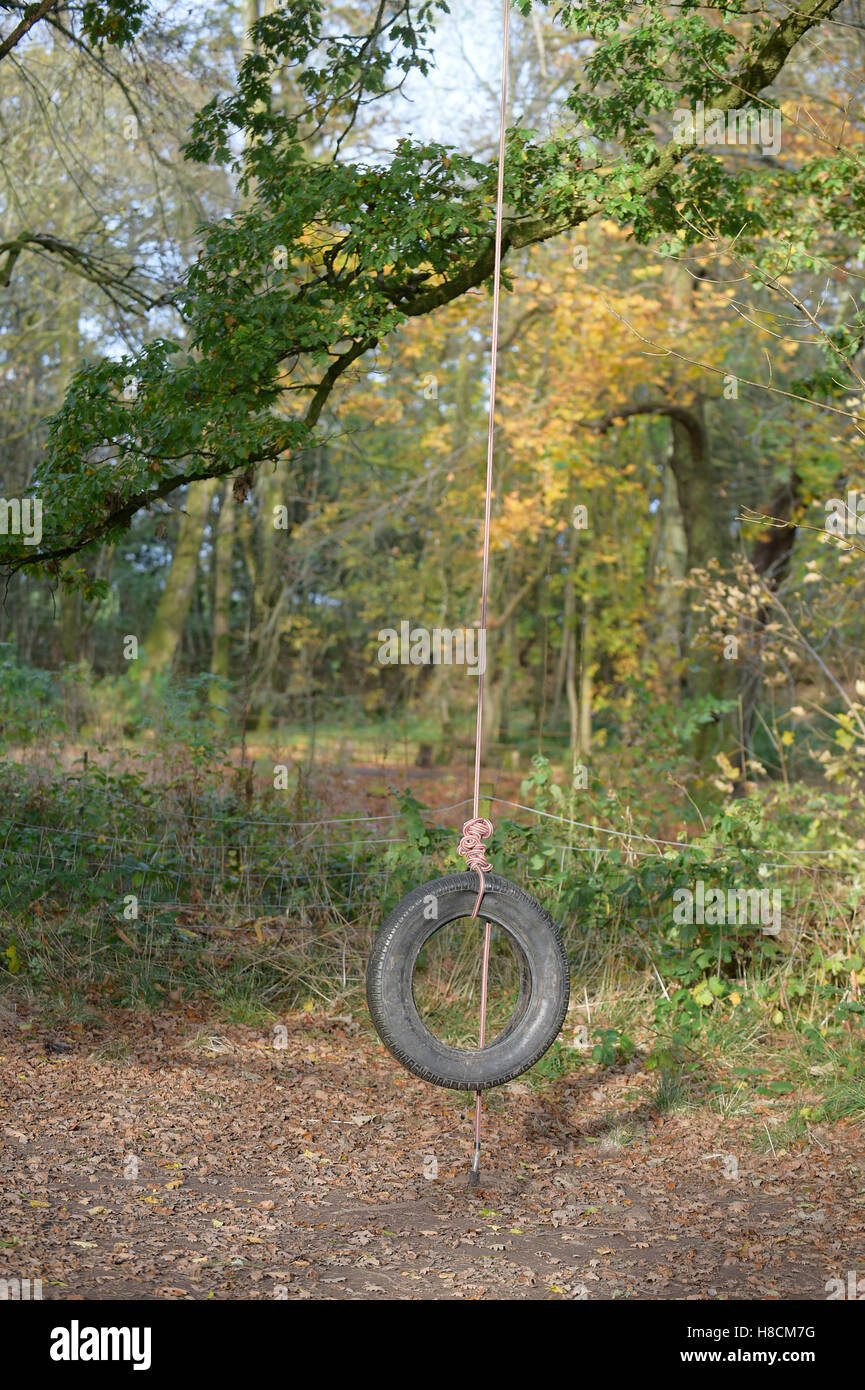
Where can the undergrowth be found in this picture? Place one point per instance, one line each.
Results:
(123, 888)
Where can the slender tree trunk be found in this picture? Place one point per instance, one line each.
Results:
(568, 615)
(571, 692)
(584, 739)
(223, 548)
(166, 631)
(507, 658)
(669, 569)
(270, 492)
(69, 340)
(70, 627)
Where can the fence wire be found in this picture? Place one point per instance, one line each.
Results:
(197, 869)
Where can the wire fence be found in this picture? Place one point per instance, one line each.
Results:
(196, 868)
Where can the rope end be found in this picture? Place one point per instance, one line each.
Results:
(475, 1170)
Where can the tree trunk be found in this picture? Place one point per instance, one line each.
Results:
(584, 739)
(166, 631)
(506, 661)
(571, 691)
(771, 556)
(223, 549)
(568, 614)
(707, 537)
(699, 488)
(667, 572)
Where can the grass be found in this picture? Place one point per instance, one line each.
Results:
(447, 983)
(731, 1101)
(785, 1133)
(243, 1006)
(674, 1091)
(618, 1136)
(845, 1101)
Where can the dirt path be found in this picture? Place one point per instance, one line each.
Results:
(164, 1160)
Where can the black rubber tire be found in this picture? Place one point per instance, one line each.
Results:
(542, 1000)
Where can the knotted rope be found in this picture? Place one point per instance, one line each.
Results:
(474, 852)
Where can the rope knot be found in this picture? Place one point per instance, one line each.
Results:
(472, 847)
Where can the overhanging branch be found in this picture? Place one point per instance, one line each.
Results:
(757, 71)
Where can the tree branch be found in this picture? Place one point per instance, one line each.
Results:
(687, 418)
(32, 15)
(120, 287)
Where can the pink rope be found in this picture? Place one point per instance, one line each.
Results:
(473, 850)
(494, 350)
(471, 846)
(478, 829)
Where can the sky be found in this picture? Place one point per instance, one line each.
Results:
(459, 101)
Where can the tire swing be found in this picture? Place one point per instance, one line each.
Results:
(544, 984)
(543, 981)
